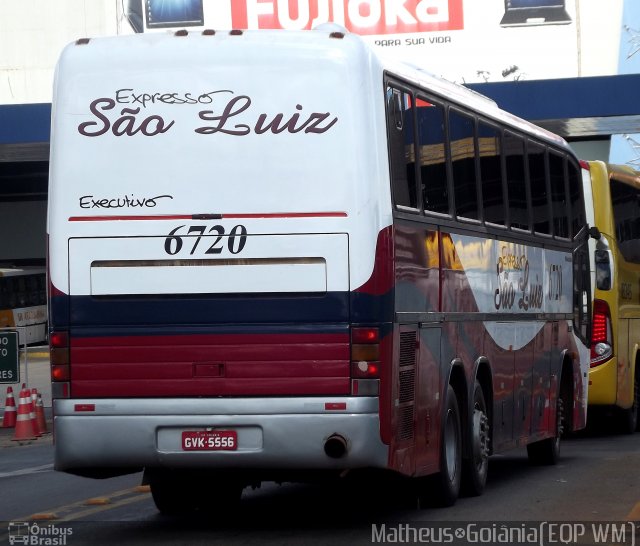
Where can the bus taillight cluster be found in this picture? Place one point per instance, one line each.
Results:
(365, 360)
(602, 337)
(59, 351)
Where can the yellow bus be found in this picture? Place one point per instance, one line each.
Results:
(614, 381)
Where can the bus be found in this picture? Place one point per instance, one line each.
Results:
(613, 211)
(23, 303)
(278, 256)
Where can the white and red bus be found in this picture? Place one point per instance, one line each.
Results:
(276, 256)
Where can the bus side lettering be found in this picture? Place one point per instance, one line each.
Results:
(505, 295)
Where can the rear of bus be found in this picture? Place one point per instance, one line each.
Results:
(615, 263)
(217, 204)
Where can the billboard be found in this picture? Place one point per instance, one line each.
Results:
(463, 40)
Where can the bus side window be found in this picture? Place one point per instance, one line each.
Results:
(4, 293)
(626, 214)
(22, 291)
(559, 200)
(539, 193)
(516, 182)
(493, 198)
(12, 287)
(42, 289)
(433, 160)
(463, 164)
(401, 148)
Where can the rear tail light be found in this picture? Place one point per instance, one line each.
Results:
(602, 336)
(59, 358)
(365, 353)
(365, 361)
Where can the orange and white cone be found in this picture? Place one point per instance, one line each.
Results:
(9, 418)
(41, 420)
(24, 424)
(33, 396)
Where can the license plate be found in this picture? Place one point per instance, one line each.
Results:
(209, 440)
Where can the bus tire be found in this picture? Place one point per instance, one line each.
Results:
(547, 452)
(181, 493)
(171, 495)
(475, 468)
(446, 484)
(219, 496)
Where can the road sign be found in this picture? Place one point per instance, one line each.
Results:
(9, 360)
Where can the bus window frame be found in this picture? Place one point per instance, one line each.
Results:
(451, 219)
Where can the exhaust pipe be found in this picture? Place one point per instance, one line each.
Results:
(335, 446)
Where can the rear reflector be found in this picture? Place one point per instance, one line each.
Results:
(335, 406)
(84, 407)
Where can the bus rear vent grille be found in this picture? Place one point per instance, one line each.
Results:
(406, 385)
(407, 348)
(405, 425)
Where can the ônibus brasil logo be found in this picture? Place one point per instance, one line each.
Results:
(22, 532)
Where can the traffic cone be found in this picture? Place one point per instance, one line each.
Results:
(24, 424)
(41, 420)
(32, 397)
(9, 418)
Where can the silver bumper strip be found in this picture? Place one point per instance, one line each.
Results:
(280, 433)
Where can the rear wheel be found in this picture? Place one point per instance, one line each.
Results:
(547, 452)
(443, 488)
(476, 467)
(180, 493)
(171, 495)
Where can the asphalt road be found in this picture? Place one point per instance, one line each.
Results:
(597, 480)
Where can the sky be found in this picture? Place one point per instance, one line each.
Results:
(626, 148)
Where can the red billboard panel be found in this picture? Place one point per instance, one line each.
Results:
(358, 16)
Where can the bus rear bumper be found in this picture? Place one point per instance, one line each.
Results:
(288, 433)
